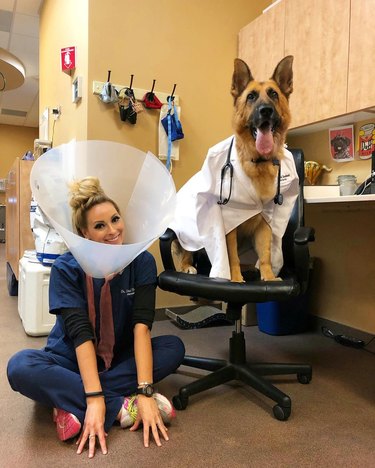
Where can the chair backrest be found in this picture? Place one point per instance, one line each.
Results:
(296, 219)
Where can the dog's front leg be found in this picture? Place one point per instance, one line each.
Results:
(234, 261)
(187, 263)
(184, 257)
(262, 244)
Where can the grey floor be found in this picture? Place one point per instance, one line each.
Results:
(332, 421)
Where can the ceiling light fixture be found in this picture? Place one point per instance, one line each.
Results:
(12, 71)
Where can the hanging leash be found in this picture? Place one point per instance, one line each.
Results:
(169, 118)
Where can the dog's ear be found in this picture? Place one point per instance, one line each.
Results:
(283, 75)
(241, 78)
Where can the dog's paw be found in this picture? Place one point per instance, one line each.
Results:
(271, 278)
(189, 269)
(237, 279)
(266, 274)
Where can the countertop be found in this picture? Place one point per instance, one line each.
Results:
(331, 194)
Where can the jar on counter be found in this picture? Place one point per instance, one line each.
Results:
(348, 184)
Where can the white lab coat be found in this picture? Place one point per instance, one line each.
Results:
(200, 222)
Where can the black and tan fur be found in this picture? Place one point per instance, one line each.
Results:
(258, 106)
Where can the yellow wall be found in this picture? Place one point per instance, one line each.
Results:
(15, 141)
(63, 23)
(192, 43)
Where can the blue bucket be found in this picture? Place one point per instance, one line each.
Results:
(284, 317)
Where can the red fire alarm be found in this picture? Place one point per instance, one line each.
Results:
(68, 59)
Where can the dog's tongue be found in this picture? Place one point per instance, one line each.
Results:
(264, 142)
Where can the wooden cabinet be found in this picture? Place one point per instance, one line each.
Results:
(261, 43)
(361, 76)
(332, 44)
(317, 35)
(17, 197)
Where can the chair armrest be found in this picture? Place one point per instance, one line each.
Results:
(169, 235)
(165, 244)
(302, 236)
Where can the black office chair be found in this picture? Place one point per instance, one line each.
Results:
(295, 279)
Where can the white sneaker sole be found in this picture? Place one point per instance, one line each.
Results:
(165, 407)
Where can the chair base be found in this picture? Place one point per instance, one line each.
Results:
(238, 369)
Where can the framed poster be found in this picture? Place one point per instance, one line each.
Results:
(341, 142)
(366, 141)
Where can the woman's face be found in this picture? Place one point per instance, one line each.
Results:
(104, 224)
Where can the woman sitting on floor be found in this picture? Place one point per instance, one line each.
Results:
(100, 362)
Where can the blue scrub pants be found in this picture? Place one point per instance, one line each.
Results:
(55, 381)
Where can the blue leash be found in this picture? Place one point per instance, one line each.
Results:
(169, 152)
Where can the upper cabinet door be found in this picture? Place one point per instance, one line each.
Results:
(261, 43)
(317, 35)
(361, 79)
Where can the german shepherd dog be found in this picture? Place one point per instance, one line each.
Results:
(260, 120)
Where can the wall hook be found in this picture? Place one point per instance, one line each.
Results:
(171, 97)
(151, 101)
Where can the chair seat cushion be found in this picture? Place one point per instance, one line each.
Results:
(227, 291)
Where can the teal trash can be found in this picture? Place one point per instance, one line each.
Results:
(284, 317)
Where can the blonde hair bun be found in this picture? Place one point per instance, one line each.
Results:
(84, 190)
(85, 194)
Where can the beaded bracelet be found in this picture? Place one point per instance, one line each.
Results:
(94, 394)
(143, 384)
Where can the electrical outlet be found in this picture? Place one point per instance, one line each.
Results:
(77, 89)
(56, 112)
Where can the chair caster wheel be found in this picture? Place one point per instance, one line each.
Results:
(304, 378)
(180, 403)
(281, 413)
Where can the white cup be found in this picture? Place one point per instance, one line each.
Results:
(348, 184)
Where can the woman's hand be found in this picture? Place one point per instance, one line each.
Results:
(93, 426)
(149, 415)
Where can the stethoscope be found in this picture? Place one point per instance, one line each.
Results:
(228, 167)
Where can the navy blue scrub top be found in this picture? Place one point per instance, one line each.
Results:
(67, 289)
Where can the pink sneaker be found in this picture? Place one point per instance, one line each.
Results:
(166, 408)
(130, 409)
(67, 425)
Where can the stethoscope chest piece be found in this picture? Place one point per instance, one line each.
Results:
(278, 200)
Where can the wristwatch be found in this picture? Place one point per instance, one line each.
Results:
(146, 390)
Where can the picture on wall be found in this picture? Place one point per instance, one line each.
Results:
(366, 141)
(341, 141)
